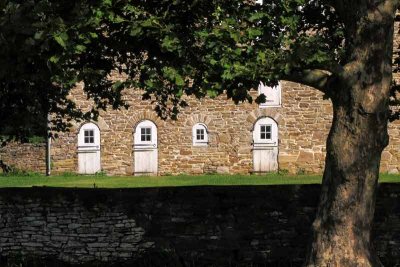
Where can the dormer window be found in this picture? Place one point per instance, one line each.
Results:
(272, 95)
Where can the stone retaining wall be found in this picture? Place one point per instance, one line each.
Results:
(196, 226)
(27, 157)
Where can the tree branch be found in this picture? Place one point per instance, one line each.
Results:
(314, 78)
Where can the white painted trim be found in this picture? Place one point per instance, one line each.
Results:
(277, 102)
(82, 146)
(257, 141)
(139, 144)
(196, 142)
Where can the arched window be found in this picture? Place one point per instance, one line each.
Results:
(200, 134)
(89, 136)
(146, 134)
(265, 132)
(272, 95)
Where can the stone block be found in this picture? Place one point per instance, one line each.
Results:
(287, 158)
(225, 138)
(222, 169)
(305, 156)
(386, 156)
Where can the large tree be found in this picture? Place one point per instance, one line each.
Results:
(175, 47)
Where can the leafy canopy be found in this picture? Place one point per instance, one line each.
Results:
(167, 48)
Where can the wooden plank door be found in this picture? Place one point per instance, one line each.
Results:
(265, 159)
(146, 162)
(89, 162)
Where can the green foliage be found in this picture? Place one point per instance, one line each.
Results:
(36, 139)
(167, 48)
(101, 173)
(16, 172)
(301, 171)
(283, 172)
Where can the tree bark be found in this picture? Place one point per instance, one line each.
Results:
(360, 95)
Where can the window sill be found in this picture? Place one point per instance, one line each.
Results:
(200, 144)
(269, 106)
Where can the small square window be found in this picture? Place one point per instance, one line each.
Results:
(265, 132)
(145, 134)
(200, 134)
(89, 136)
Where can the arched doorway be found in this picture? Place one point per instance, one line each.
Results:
(145, 148)
(89, 149)
(265, 145)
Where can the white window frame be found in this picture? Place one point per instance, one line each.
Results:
(89, 136)
(199, 142)
(257, 141)
(277, 101)
(269, 132)
(138, 134)
(82, 145)
(145, 134)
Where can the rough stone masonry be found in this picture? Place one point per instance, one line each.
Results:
(229, 226)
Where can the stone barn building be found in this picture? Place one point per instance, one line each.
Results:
(286, 133)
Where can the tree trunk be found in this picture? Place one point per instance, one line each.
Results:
(343, 222)
(341, 230)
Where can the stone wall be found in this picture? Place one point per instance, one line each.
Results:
(303, 122)
(27, 157)
(202, 226)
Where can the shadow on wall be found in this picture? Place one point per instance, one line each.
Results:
(193, 226)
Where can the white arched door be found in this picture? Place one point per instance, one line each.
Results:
(265, 146)
(89, 149)
(145, 148)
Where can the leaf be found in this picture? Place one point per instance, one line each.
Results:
(61, 38)
(179, 80)
(80, 48)
(38, 35)
(212, 93)
(135, 31)
(54, 59)
(170, 43)
(93, 35)
(257, 16)
(254, 32)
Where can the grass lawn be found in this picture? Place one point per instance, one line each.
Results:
(101, 181)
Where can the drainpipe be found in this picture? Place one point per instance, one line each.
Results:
(48, 146)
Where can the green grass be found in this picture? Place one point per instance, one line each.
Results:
(70, 180)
